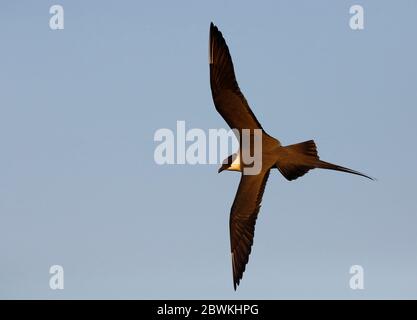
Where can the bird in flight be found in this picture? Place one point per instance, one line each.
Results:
(293, 161)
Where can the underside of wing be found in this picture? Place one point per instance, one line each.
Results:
(243, 217)
(227, 97)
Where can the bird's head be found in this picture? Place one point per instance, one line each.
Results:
(231, 163)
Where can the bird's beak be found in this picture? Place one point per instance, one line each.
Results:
(220, 169)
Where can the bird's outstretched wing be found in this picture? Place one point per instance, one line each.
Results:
(228, 99)
(243, 216)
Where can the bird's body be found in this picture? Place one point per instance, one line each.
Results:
(292, 161)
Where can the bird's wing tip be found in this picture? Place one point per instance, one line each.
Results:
(236, 279)
(235, 283)
(213, 29)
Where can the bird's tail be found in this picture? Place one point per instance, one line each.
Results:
(301, 157)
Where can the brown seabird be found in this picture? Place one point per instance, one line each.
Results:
(292, 161)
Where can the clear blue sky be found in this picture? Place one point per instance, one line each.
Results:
(79, 186)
